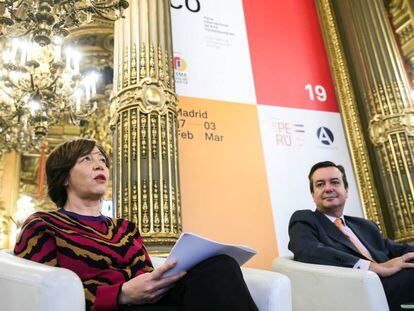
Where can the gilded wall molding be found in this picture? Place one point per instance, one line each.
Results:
(349, 113)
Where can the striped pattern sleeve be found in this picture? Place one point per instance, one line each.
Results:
(35, 243)
(104, 254)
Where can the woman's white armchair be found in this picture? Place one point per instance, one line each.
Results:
(323, 288)
(27, 285)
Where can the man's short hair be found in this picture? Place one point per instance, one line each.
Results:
(326, 164)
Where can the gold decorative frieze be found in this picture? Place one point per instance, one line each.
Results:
(382, 126)
(150, 95)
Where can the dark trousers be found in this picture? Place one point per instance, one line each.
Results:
(399, 288)
(214, 284)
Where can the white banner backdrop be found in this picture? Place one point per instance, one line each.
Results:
(294, 140)
(212, 61)
(211, 51)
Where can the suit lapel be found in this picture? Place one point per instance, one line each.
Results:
(333, 232)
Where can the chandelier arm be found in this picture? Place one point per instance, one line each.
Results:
(11, 6)
(17, 86)
(23, 34)
(2, 89)
(11, 116)
(79, 115)
(49, 85)
(32, 81)
(105, 6)
(64, 2)
(94, 11)
(8, 116)
(39, 88)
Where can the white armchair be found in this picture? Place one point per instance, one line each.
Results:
(323, 288)
(27, 285)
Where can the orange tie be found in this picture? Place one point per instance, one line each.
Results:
(338, 222)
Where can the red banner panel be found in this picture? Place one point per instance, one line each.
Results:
(289, 62)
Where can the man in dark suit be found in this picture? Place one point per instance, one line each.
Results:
(326, 236)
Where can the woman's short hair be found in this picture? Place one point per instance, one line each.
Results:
(60, 162)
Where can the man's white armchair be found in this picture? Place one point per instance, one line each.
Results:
(323, 288)
(27, 285)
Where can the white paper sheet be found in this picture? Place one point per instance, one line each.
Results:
(190, 249)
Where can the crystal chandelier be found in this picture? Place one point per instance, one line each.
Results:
(39, 86)
(39, 82)
(44, 19)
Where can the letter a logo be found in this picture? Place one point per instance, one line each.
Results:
(325, 136)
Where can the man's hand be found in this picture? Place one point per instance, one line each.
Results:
(149, 287)
(393, 266)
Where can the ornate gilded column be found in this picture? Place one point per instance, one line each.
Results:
(379, 103)
(144, 119)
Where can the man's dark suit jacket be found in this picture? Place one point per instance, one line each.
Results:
(315, 239)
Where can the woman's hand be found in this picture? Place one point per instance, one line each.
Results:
(149, 287)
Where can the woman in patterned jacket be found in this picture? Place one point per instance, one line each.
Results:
(108, 254)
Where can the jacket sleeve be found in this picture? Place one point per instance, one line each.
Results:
(306, 245)
(396, 249)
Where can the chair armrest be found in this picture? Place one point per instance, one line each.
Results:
(270, 290)
(320, 287)
(28, 285)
